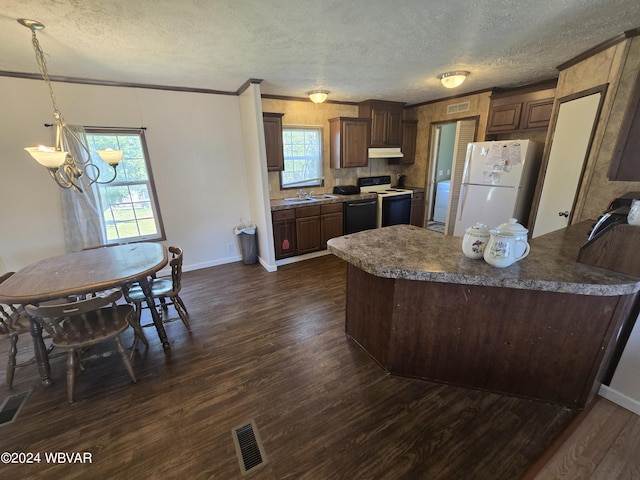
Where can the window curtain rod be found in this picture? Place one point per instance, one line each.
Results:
(104, 128)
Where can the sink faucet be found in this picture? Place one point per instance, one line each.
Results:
(302, 195)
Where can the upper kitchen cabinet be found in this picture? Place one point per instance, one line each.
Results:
(349, 140)
(386, 122)
(409, 136)
(520, 110)
(273, 141)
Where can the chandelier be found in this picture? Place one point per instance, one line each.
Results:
(69, 159)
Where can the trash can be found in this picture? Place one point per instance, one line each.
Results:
(248, 243)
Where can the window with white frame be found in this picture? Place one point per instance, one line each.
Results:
(302, 156)
(128, 205)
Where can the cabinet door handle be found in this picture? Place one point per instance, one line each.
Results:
(564, 214)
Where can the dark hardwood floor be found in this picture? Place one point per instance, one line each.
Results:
(269, 347)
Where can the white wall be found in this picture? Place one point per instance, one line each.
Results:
(196, 147)
(625, 384)
(257, 176)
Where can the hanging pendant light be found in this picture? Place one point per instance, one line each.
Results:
(64, 167)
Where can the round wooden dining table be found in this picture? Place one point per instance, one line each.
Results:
(80, 273)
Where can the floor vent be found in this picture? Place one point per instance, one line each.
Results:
(249, 447)
(458, 107)
(11, 407)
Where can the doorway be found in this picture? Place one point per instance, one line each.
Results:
(449, 143)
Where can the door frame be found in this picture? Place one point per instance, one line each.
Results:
(432, 162)
(602, 89)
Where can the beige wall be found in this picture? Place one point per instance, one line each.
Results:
(618, 66)
(304, 112)
(435, 113)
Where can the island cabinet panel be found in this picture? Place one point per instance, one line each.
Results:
(546, 346)
(369, 313)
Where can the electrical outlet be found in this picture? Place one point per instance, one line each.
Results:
(440, 173)
(337, 181)
(448, 172)
(230, 247)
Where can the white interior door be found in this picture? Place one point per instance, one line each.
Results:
(569, 148)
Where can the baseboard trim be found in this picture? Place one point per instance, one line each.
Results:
(620, 399)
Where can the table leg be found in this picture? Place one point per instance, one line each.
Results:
(40, 351)
(157, 321)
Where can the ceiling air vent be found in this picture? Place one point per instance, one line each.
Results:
(458, 108)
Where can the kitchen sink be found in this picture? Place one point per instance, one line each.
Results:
(324, 195)
(301, 200)
(312, 198)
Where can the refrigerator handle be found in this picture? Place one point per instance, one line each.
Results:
(463, 199)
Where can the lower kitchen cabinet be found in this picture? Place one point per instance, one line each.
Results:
(301, 230)
(417, 209)
(308, 229)
(331, 222)
(284, 233)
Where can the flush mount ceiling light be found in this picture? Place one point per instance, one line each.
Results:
(318, 96)
(453, 79)
(64, 167)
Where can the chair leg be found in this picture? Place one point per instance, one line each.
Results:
(182, 311)
(163, 304)
(11, 363)
(71, 372)
(138, 330)
(125, 359)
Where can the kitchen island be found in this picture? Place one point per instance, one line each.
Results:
(543, 328)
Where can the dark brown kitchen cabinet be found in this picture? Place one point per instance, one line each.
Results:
(409, 136)
(386, 122)
(308, 229)
(520, 111)
(273, 141)
(349, 140)
(331, 222)
(417, 209)
(284, 233)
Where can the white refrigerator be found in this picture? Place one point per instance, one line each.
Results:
(498, 182)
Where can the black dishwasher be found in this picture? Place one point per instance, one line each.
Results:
(360, 215)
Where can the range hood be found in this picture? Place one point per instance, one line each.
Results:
(385, 153)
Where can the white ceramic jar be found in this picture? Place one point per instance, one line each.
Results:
(503, 247)
(518, 230)
(475, 240)
(633, 218)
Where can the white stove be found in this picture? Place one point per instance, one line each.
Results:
(394, 204)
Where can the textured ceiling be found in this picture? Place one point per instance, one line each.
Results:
(357, 49)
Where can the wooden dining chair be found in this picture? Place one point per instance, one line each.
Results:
(74, 326)
(13, 322)
(162, 289)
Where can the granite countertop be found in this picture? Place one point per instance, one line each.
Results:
(413, 253)
(282, 204)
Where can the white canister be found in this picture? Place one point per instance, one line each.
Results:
(518, 230)
(475, 240)
(633, 218)
(501, 251)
